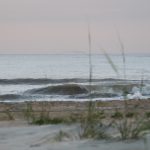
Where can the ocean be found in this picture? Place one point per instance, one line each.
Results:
(65, 77)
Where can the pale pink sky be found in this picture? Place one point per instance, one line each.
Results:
(60, 26)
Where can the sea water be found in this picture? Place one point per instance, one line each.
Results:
(66, 77)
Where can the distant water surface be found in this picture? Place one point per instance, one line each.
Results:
(54, 77)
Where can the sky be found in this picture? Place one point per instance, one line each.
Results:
(61, 26)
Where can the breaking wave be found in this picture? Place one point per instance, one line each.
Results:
(76, 89)
(65, 89)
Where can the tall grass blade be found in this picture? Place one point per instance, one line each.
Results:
(90, 54)
(113, 66)
(142, 81)
(90, 107)
(122, 53)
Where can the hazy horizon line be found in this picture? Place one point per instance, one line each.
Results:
(77, 53)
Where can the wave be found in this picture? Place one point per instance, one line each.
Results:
(101, 88)
(98, 90)
(37, 81)
(65, 89)
(10, 96)
(40, 81)
(95, 95)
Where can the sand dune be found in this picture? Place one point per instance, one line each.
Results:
(17, 135)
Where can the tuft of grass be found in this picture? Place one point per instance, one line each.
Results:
(146, 125)
(100, 115)
(43, 117)
(9, 114)
(117, 115)
(97, 131)
(130, 114)
(147, 114)
(128, 124)
(61, 136)
(132, 127)
(93, 126)
(29, 113)
(74, 119)
(45, 120)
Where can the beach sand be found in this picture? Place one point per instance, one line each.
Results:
(69, 108)
(17, 134)
(29, 137)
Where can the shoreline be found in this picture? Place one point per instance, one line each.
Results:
(69, 108)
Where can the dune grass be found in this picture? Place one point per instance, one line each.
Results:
(43, 116)
(9, 115)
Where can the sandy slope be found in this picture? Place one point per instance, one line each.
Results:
(20, 136)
